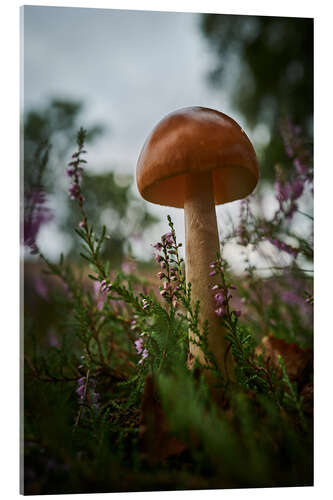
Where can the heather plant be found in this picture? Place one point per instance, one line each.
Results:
(281, 302)
(45, 186)
(114, 401)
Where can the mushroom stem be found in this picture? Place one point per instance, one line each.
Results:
(202, 246)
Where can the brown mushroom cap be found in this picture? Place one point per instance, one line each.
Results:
(195, 140)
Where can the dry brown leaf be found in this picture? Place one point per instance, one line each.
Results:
(297, 360)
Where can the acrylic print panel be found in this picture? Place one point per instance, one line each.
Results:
(167, 342)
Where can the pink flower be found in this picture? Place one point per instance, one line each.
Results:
(297, 188)
(219, 298)
(220, 311)
(74, 191)
(158, 258)
(168, 238)
(104, 287)
(133, 325)
(143, 356)
(139, 345)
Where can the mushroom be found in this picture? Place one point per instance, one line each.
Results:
(196, 158)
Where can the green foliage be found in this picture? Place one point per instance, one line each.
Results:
(116, 207)
(94, 343)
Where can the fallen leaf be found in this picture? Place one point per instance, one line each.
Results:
(297, 361)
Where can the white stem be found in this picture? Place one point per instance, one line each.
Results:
(202, 245)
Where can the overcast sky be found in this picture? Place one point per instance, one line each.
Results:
(130, 68)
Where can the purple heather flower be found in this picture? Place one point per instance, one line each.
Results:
(284, 190)
(220, 311)
(104, 287)
(158, 246)
(133, 324)
(168, 238)
(70, 171)
(212, 273)
(301, 169)
(297, 188)
(160, 275)
(158, 258)
(80, 391)
(215, 287)
(237, 313)
(74, 191)
(139, 345)
(219, 298)
(143, 356)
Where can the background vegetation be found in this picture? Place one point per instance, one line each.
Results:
(112, 400)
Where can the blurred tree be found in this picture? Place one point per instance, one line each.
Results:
(49, 139)
(57, 124)
(266, 65)
(109, 201)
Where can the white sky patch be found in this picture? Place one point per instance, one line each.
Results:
(261, 134)
(52, 242)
